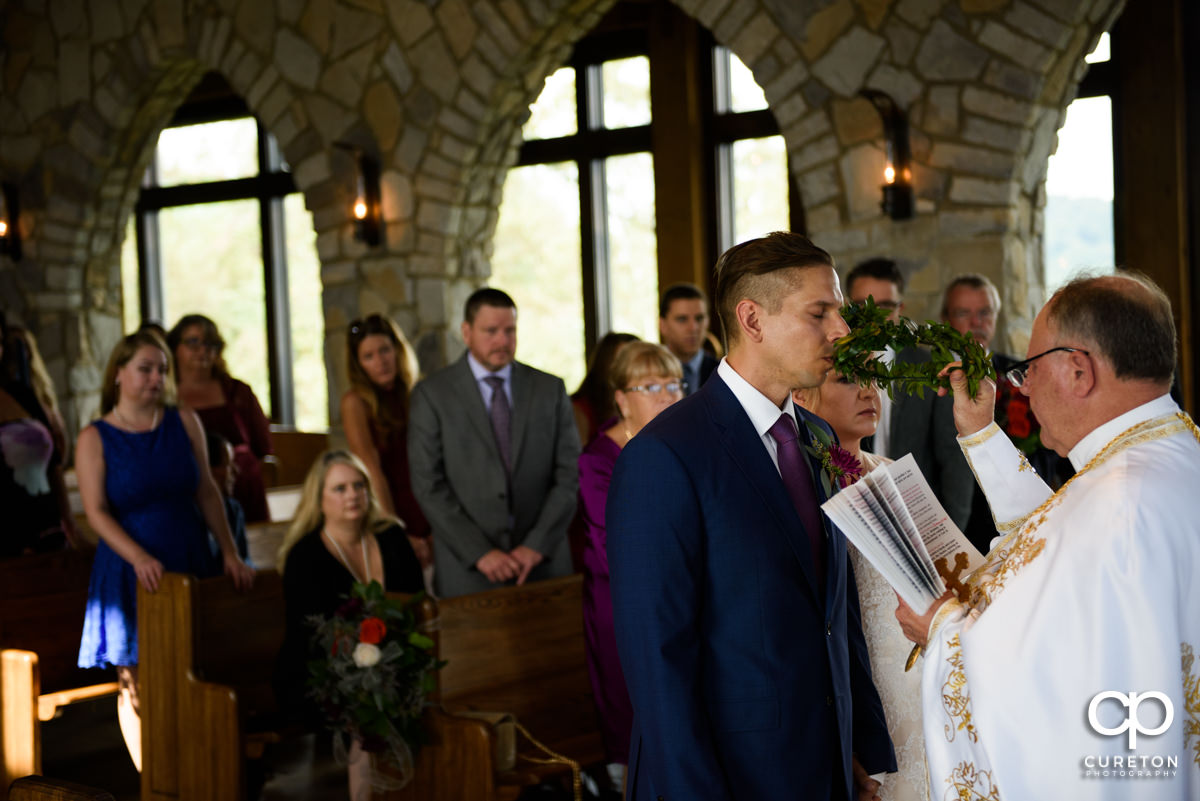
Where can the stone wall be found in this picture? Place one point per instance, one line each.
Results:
(437, 91)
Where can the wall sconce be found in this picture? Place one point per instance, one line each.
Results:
(897, 175)
(10, 215)
(366, 208)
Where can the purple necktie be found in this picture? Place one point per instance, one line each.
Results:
(501, 421)
(797, 478)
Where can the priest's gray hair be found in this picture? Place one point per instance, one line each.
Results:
(1126, 316)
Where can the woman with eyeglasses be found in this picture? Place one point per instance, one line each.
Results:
(853, 413)
(383, 369)
(645, 378)
(225, 405)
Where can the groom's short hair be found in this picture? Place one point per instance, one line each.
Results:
(761, 270)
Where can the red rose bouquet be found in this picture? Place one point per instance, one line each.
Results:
(373, 682)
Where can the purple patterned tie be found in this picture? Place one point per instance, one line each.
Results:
(798, 480)
(501, 421)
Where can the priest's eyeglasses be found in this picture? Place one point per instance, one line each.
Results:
(1017, 373)
(673, 388)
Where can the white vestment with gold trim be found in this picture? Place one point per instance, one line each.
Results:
(1095, 588)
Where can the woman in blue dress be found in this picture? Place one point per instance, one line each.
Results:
(147, 491)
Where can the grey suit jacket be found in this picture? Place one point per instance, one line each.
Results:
(459, 481)
(925, 428)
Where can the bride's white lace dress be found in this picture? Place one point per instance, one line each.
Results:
(899, 691)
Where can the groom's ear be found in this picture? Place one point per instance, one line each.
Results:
(749, 319)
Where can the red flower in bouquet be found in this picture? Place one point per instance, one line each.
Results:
(372, 631)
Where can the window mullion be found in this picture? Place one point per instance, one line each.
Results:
(278, 317)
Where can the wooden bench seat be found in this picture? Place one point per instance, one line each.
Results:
(42, 604)
(515, 650)
(207, 656)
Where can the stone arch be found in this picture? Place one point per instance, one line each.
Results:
(513, 86)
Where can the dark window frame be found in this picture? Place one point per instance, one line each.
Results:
(214, 101)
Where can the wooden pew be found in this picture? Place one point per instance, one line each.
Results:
(517, 650)
(42, 602)
(207, 655)
(39, 788)
(295, 451)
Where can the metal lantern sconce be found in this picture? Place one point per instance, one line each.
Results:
(897, 175)
(10, 229)
(366, 208)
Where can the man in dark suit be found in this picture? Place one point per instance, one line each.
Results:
(922, 426)
(736, 611)
(493, 451)
(971, 304)
(682, 326)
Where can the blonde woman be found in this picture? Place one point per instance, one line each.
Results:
(339, 536)
(853, 413)
(148, 493)
(645, 379)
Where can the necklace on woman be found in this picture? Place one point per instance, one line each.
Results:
(125, 422)
(342, 556)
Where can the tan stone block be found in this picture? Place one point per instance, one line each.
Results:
(344, 81)
(352, 29)
(410, 20)
(1018, 48)
(856, 121)
(815, 152)
(862, 178)
(330, 120)
(74, 75)
(396, 196)
(755, 38)
(387, 278)
(297, 60)
(818, 185)
(982, 6)
(255, 24)
(436, 67)
(874, 11)
(824, 27)
(168, 21)
(381, 109)
(317, 23)
(458, 26)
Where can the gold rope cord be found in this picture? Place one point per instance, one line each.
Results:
(555, 759)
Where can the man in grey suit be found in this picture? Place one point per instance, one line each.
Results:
(494, 452)
(924, 426)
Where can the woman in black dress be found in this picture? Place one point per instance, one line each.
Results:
(339, 536)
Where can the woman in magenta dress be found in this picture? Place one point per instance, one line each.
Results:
(382, 370)
(225, 405)
(646, 379)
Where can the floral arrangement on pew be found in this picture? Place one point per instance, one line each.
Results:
(374, 680)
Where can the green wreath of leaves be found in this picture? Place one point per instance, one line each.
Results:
(871, 331)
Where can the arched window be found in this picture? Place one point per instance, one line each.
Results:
(1079, 214)
(220, 229)
(594, 221)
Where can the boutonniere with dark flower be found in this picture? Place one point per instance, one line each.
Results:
(1015, 417)
(839, 468)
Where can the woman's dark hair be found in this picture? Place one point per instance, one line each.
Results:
(387, 418)
(595, 389)
(212, 338)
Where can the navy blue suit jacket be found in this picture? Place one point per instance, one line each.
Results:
(747, 682)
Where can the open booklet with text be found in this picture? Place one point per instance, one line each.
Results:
(896, 522)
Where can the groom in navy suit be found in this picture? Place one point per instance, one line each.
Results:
(736, 611)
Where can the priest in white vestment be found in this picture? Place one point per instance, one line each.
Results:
(1070, 672)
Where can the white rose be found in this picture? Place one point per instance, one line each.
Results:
(366, 655)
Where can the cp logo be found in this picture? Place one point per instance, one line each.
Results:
(1131, 723)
